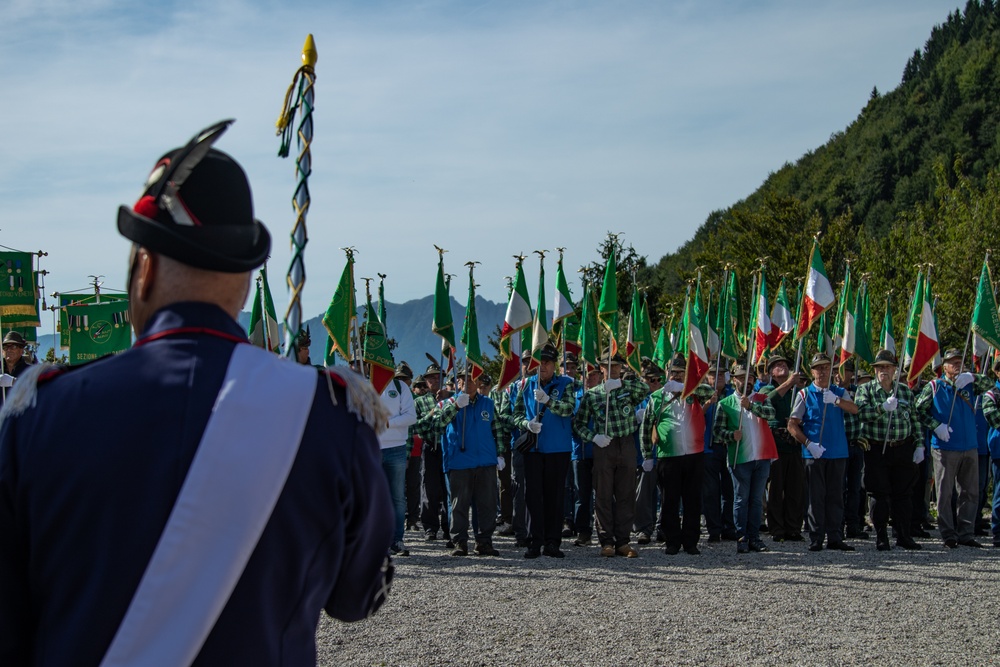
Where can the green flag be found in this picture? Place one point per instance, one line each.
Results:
(342, 312)
(18, 294)
(470, 331)
(913, 321)
(376, 350)
(263, 329)
(607, 310)
(78, 300)
(589, 348)
(729, 312)
(985, 319)
(98, 330)
(887, 341)
(539, 326)
(863, 320)
(443, 325)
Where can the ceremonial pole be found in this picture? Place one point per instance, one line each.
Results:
(298, 102)
(895, 385)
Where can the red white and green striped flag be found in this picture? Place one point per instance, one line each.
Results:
(757, 443)
(518, 307)
(782, 319)
(697, 350)
(888, 339)
(565, 322)
(632, 354)
(762, 322)
(925, 345)
(683, 432)
(818, 295)
(711, 323)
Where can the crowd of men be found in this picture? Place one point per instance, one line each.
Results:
(607, 456)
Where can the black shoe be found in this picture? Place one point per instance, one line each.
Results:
(692, 550)
(714, 539)
(857, 535)
(907, 543)
(951, 543)
(521, 543)
(552, 551)
(982, 532)
(971, 543)
(505, 530)
(397, 549)
(644, 538)
(461, 549)
(758, 547)
(795, 537)
(882, 543)
(660, 537)
(778, 538)
(742, 547)
(917, 531)
(927, 525)
(672, 550)
(533, 552)
(485, 549)
(839, 546)
(430, 537)
(816, 546)
(450, 545)
(730, 536)
(583, 541)
(568, 532)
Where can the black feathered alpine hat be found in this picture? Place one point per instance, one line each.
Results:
(196, 208)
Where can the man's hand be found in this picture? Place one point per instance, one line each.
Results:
(964, 379)
(673, 386)
(745, 402)
(535, 427)
(918, 455)
(815, 449)
(640, 414)
(738, 434)
(943, 432)
(541, 397)
(6, 380)
(647, 465)
(890, 404)
(829, 397)
(501, 464)
(602, 440)
(611, 385)
(462, 400)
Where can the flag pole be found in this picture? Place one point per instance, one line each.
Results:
(718, 357)
(298, 102)
(751, 344)
(895, 385)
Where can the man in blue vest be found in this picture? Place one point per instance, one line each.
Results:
(544, 408)
(472, 452)
(110, 524)
(817, 423)
(946, 408)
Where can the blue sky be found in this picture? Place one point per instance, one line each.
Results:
(487, 128)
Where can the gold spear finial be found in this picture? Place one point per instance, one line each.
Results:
(309, 55)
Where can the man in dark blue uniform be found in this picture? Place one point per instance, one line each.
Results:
(88, 499)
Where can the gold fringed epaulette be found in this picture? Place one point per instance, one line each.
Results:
(362, 401)
(24, 393)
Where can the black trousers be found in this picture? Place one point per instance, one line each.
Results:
(786, 494)
(413, 490)
(506, 495)
(433, 496)
(544, 491)
(680, 480)
(889, 480)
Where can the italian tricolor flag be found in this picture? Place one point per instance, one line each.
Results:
(697, 350)
(782, 319)
(757, 443)
(762, 332)
(818, 295)
(682, 430)
(926, 344)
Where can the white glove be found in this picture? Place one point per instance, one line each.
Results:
(602, 440)
(815, 449)
(943, 432)
(829, 397)
(640, 414)
(610, 385)
(541, 396)
(918, 455)
(501, 464)
(672, 386)
(535, 427)
(964, 379)
(6, 380)
(890, 404)
(728, 377)
(647, 465)
(462, 400)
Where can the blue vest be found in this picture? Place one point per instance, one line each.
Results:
(480, 445)
(982, 430)
(993, 437)
(834, 436)
(581, 450)
(710, 425)
(963, 420)
(556, 435)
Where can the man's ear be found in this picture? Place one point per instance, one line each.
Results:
(147, 263)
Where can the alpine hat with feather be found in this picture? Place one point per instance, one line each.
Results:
(196, 208)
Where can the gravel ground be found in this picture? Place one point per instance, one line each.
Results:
(788, 606)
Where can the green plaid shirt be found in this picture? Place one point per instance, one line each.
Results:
(924, 403)
(991, 408)
(852, 423)
(877, 425)
(621, 415)
(436, 421)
